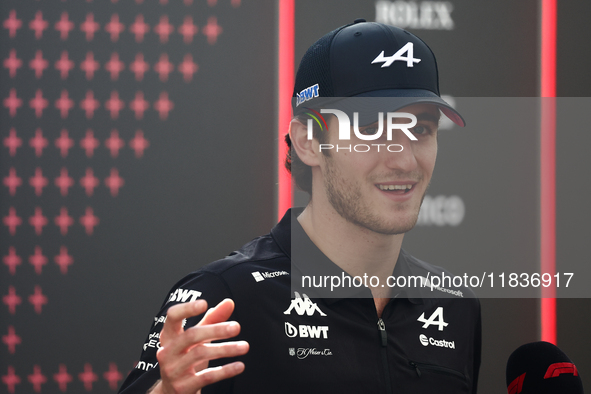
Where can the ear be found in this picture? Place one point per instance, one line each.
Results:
(307, 150)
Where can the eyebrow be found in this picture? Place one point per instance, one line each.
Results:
(427, 116)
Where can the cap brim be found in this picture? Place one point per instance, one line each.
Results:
(368, 104)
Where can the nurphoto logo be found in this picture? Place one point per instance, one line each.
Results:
(345, 129)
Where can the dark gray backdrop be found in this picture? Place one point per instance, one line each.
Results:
(206, 183)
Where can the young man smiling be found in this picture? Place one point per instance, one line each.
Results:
(363, 202)
(291, 337)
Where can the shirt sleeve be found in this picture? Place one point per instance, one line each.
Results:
(200, 285)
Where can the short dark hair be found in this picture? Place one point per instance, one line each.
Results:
(300, 172)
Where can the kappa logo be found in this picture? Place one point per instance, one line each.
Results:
(388, 60)
(267, 275)
(303, 306)
(307, 94)
(182, 295)
(436, 319)
(306, 331)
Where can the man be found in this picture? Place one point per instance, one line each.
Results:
(293, 334)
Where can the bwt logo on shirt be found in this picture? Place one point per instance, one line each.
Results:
(182, 295)
(306, 331)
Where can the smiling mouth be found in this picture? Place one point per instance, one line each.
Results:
(395, 189)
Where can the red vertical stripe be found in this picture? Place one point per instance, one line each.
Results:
(285, 89)
(548, 167)
(548, 57)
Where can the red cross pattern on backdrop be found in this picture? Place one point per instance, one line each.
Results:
(62, 146)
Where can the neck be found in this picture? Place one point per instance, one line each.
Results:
(356, 250)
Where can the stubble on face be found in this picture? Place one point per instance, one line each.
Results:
(346, 197)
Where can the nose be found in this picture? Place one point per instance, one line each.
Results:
(405, 159)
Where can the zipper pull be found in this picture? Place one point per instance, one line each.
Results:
(384, 335)
(416, 368)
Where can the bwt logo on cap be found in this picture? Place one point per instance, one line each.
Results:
(307, 94)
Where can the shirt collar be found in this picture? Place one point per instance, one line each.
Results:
(307, 259)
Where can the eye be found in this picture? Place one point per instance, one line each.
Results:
(421, 130)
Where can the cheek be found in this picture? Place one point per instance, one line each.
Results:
(426, 155)
(364, 163)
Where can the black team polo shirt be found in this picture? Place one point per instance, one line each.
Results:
(300, 343)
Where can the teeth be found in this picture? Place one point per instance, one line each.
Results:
(394, 187)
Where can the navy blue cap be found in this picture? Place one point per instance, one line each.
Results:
(369, 59)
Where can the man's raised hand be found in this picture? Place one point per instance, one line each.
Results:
(184, 354)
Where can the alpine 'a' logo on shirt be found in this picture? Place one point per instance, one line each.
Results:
(436, 319)
(303, 305)
(388, 60)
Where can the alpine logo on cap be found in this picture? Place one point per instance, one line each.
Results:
(307, 94)
(409, 58)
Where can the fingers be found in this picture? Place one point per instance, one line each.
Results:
(212, 375)
(175, 316)
(195, 382)
(174, 367)
(213, 351)
(221, 312)
(184, 355)
(200, 334)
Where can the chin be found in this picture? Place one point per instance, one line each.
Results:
(399, 224)
(395, 229)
